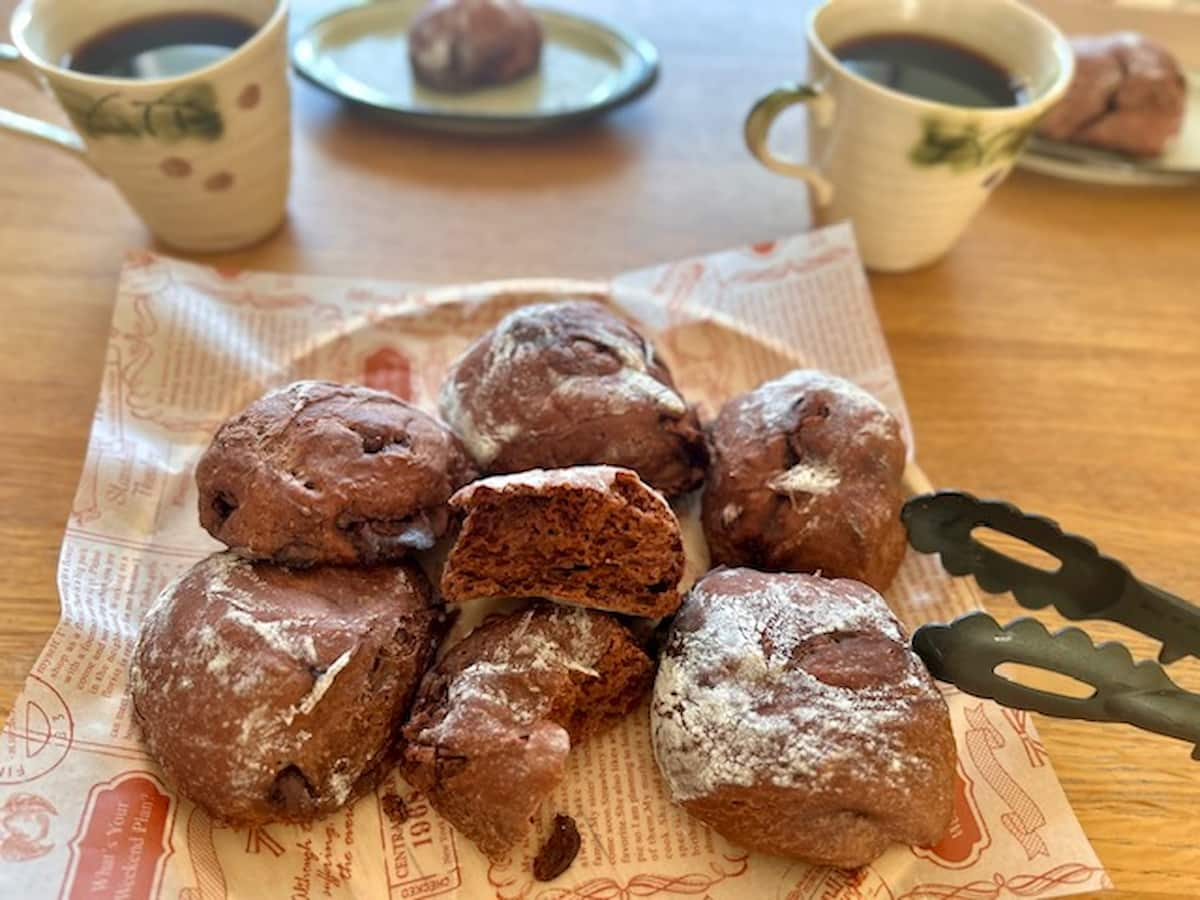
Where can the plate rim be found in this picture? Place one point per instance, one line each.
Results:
(642, 49)
(1110, 163)
(1105, 176)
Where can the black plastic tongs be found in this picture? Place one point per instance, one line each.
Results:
(1088, 585)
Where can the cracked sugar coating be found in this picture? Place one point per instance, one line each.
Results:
(589, 535)
(806, 477)
(270, 694)
(790, 715)
(317, 472)
(489, 733)
(570, 383)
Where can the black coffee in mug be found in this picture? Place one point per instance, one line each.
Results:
(931, 68)
(160, 46)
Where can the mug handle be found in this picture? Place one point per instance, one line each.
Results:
(27, 126)
(758, 128)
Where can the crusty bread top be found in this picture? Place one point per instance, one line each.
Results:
(318, 472)
(272, 694)
(572, 383)
(786, 679)
(540, 481)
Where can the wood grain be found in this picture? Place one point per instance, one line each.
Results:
(1053, 358)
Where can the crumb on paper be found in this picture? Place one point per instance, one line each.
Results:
(395, 808)
(559, 851)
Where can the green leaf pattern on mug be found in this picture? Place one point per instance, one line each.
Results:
(966, 148)
(188, 111)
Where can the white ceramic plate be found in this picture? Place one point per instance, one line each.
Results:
(1179, 164)
(587, 68)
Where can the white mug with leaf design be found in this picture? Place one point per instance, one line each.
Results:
(907, 170)
(203, 157)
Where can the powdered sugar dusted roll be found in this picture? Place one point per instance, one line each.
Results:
(1128, 94)
(269, 694)
(570, 383)
(790, 715)
(318, 472)
(806, 477)
(494, 720)
(458, 45)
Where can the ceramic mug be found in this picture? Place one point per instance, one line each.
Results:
(202, 157)
(910, 173)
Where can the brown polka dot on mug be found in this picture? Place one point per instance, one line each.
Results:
(249, 97)
(176, 167)
(221, 181)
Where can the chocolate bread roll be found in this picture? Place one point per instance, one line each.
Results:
(493, 721)
(1128, 94)
(459, 45)
(317, 472)
(790, 715)
(806, 477)
(570, 383)
(271, 694)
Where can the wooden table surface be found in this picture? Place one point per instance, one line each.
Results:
(1053, 358)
